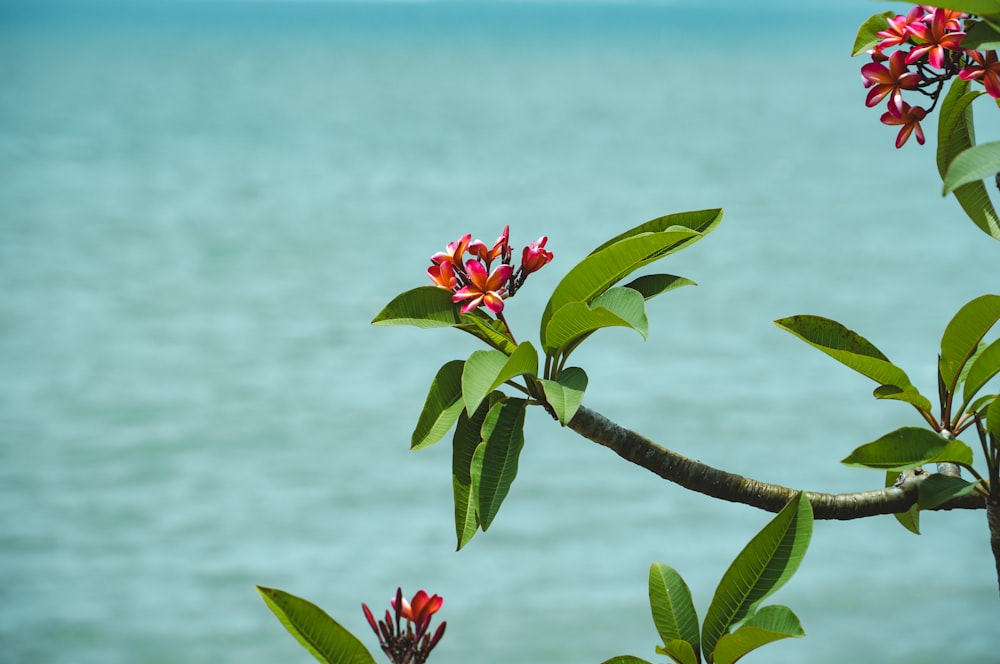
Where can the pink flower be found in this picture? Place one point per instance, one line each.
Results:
(535, 256)
(454, 252)
(889, 82)
(986, 70)
(943, 33)
(897, 32)
(443, 275)
(483, 289)
(409, 644)
(909, 119)
(501, 248)
(420, 609)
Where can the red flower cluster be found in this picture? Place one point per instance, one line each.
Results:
(413, 644)
(928, 52)
(473, 282)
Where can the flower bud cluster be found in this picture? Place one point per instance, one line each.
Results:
(412, 643)
(919, 52)
(472, 280)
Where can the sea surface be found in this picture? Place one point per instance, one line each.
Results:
(203, 205)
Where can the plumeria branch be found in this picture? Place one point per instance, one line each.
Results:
(723, 485)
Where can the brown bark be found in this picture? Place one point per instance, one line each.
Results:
(716, 483)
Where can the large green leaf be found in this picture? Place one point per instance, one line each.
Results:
(982, 369)
(599, 271)
(425, 306)
(702, 221)
(853, 350)
(680, 651)
(975, 163)
(442, 406)
(617, 307)
(625, 659)
(318, 633)
(938, 489)
(906, 448)
(673, 611)
(465, 473)
(962, 336)
(981, 37)
(565, 393)
(764, 565)
(486, 370)
(651, 285)
(769, 624)
(956, 133)
(867, 37)
(503, 431)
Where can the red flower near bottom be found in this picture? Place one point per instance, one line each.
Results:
(909, 120)
(410, 644)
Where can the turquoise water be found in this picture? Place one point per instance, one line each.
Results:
(202, 206)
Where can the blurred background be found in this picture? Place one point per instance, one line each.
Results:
(204, 204)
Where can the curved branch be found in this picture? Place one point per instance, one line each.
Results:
(716, 483)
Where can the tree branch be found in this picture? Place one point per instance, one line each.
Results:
(716, 483)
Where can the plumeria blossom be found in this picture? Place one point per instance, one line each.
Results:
(986, 70)
(474, 281)
(410, 643)
(918, 53)
(909, 119)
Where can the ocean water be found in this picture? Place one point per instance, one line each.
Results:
(203, 205)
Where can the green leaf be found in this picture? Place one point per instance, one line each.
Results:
(979, 7)
(982, 403)
(908, 448)
(764, 565)
(625, 659)
(939, 489)
(651, 285)
(673, 611)
(769, 624)
(982, 369)
(486, 370)
(975, 163)
(962, 336)
(851, 349)
(993, 417)
(867, 39)
(617, 307)
(910, 519)
(503, 432)
(702, 221)
(981, 37)
(465, 471)
(489, 330)
(956, 133)
(565, 393)
(318, 633)
(442, 406)
(426, 307)
(680, 651)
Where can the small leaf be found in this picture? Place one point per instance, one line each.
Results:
(442, 406)
(962, 336)
(769, 624)
(702, 221)
(939, 489)
(318, 633)
(565, 393)
(993, 417)
(503, 431)
(867, 39)
(910, 519)
(982, 369)
(426, 307)
(625, 659)
(975, 163)
(680, 651)
(673, 611)
(617, 307)
(906, 448)
(761, 568)
(853, 350)
(982, 403)
(486, 370)
(651, 285)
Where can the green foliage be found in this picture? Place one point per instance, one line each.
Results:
(962, 337)
(565, 393)
(318, 633)
(625, 659)
(982, 36)
(486, 370)
(867, 37)
(851, 349)
(673, 614)
(466, 470)
(910, 519)
(982, 368)
(939, 489)
(907, 448)
(617, 307)
(503, 435)
(976, 163)
(424, 306)
(442, 406)
(764, 565)
(770, 624)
